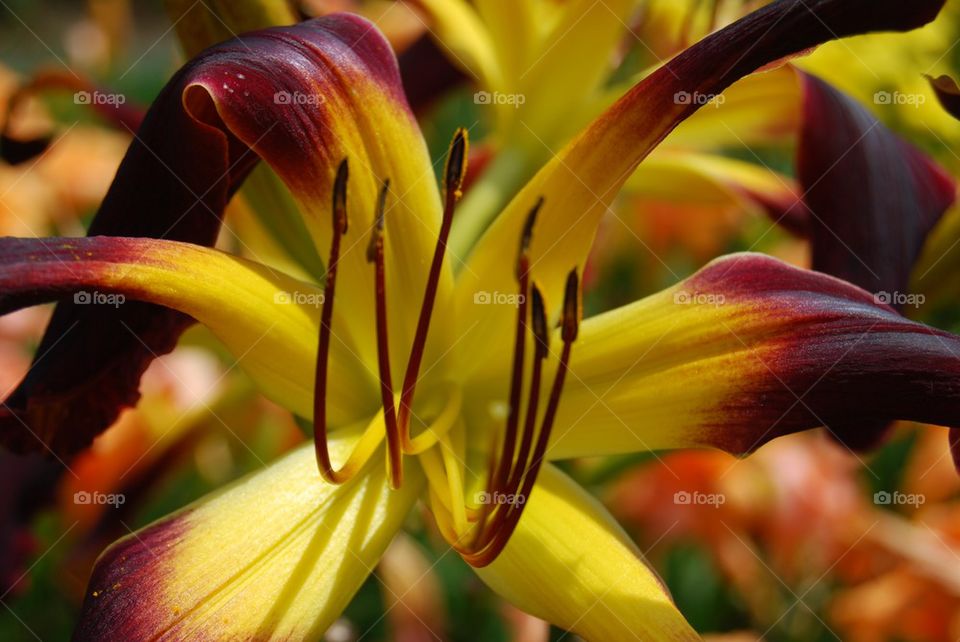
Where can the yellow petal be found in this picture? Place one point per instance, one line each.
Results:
(570, 563)
(277, 555)
(708, 179)
(746, 350)
(268, 320)
(306, 97)
(575, 53)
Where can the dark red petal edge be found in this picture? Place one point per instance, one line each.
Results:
(873, 198)
(847, 363)
(129, 562)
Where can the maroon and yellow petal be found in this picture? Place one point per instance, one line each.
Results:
(873, 198)
(744, 351)
(579, 184)
(308, 96)
(277, 555)
(267, 320)
(302, 98)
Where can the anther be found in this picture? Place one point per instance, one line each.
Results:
(523, 258)
(340, 198)
(376, 236)
(455, 169)
(572, 310)
(539, 314)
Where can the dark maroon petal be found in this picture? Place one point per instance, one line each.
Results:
(948, 93)
(873, 197)
(173, 183)
(427, 73)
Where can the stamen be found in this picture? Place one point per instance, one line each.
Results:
(570, 324)
(326, 319)
(454, 172)
(542, 347)
(375, 255)
(519, 349)
(517, 469)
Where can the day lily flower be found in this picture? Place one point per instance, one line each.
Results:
(455, 390)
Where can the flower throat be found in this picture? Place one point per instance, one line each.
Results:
(514, 466)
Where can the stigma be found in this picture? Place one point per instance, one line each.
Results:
(479, 533)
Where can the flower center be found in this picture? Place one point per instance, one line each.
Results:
(478, 531)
